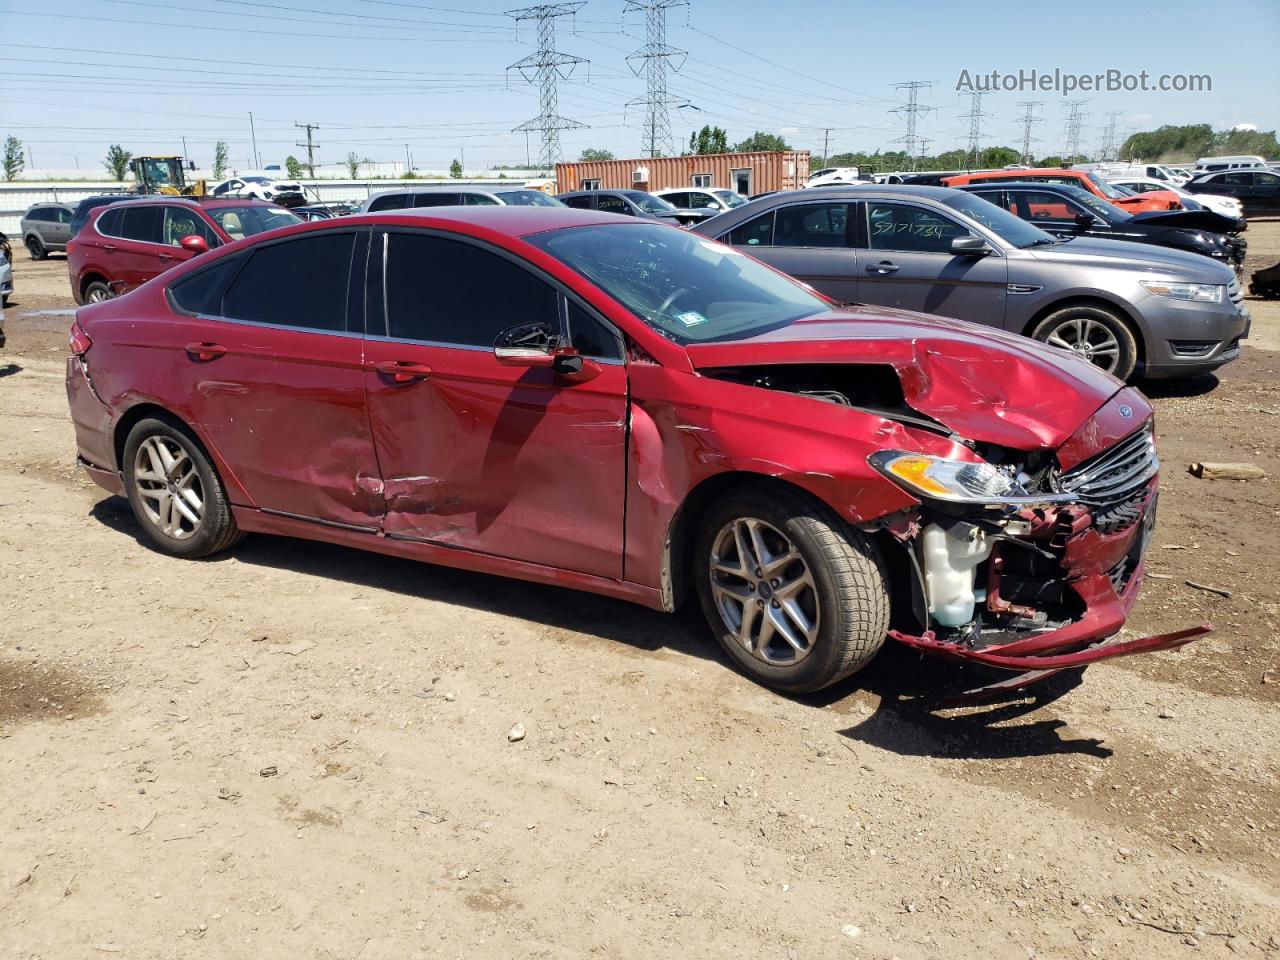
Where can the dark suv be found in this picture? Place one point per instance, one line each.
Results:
(1071, 212)
(127, 244)
(1257, 190)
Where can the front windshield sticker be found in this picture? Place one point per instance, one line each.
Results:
(691, 318)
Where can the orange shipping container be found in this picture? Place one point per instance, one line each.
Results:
(747, 173)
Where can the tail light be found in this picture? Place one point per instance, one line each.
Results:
(80, 341)
(71, 245)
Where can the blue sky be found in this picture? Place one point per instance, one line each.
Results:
(377, 74)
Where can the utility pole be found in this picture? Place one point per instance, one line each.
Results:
(1107, 151)
(652, 60)
(257, 157)
(911, 109)
(1028, 118)
(547, 67)
(408, 161)
(311, 147)
(974, 116)
(184, 149)
(826, 144)
(1075, 121)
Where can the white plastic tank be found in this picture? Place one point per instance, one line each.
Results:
(950, 559)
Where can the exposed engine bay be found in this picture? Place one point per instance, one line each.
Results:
(1016, 562)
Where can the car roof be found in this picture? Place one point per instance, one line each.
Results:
(204, 203)
(512, 221)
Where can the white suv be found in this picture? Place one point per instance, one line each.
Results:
(257, 187)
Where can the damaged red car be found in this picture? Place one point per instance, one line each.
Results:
(586, 400)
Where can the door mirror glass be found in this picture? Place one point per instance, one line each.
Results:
(969, 247)
(194, 244)
(526, 345)
(1083, 220)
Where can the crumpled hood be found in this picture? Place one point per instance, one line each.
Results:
(981, 383)
(1192, 220)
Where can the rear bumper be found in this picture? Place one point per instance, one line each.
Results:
(92, 421)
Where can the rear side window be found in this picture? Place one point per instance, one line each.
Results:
(41, 214)
(295, 283)
(479, 200)
(811, 225)
(392, 201)
(110, 223)
(436, 200)
(753, 233)
(201, 292)
(445, 291)
(582, 203)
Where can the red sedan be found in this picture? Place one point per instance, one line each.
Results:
(597, 402)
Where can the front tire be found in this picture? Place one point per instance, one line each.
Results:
(175, 492)
(1094, 334)
(797, 597)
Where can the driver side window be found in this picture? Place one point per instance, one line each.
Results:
(897, 226)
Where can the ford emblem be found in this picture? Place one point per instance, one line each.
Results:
(1126, 411)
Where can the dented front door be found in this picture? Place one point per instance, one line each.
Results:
(510, 461)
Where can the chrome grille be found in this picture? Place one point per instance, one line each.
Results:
(1114, 482)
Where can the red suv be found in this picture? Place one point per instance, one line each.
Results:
(124, 245)
(620, 406)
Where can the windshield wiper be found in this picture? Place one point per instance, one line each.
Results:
(1042, 241)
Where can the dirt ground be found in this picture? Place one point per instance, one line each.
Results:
(297, 750)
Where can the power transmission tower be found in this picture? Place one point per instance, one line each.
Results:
(1028, 118)
(912, 108)
(1075, 122)
(653, 60)
(311, 147)
(1108, 149)
(547, 67)
(974, 116)
(924, 146)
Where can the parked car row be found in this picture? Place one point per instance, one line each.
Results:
(625, 407)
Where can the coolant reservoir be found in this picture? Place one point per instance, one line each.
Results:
(949, 561)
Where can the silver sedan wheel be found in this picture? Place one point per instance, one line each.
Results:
(169, 487)
(764, 591)
(1089, 340)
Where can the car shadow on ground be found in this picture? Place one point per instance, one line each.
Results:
(9, 369)
(1188, 387)
(908, 720)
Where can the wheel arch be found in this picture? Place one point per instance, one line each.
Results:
(88, 277)
(1124, 313)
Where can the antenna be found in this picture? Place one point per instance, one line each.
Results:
(652, 60)
(911, 108)
(1028, 118)
(547, 67)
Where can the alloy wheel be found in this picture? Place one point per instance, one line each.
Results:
(1088, 339)
(764, 591)
(98, 294)
(169, 487)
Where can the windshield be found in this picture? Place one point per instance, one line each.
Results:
(690, 289)
(730, 197)
(1096, 204)
(1011, 229)
(256, 179)
(648, 202)
(1106, 189)
(528, 198)
(240, 222)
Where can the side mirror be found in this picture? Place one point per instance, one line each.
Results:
(1083, 221)
(526, 345)
(194, 244)
(969, 247)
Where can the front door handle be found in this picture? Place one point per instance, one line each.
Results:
(884, 268)
(402, 371)
(204, 351)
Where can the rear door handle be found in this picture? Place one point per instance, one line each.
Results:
(204, 351)
(402, 371)
(883, 268)
(110, 248)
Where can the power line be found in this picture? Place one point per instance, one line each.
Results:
(911, 109)
(652, 60)
(1028, 118)
(547, 66)
(311, 147)
(974, 116)
(1075, 122)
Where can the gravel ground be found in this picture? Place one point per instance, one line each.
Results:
(297, 750)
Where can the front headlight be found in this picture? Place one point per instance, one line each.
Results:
(956, 481)
(1199, 292)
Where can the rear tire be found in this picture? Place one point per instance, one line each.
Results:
(175, 492)
(1094, 334)
(797, 597)
(97, 292)
(36, 248)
